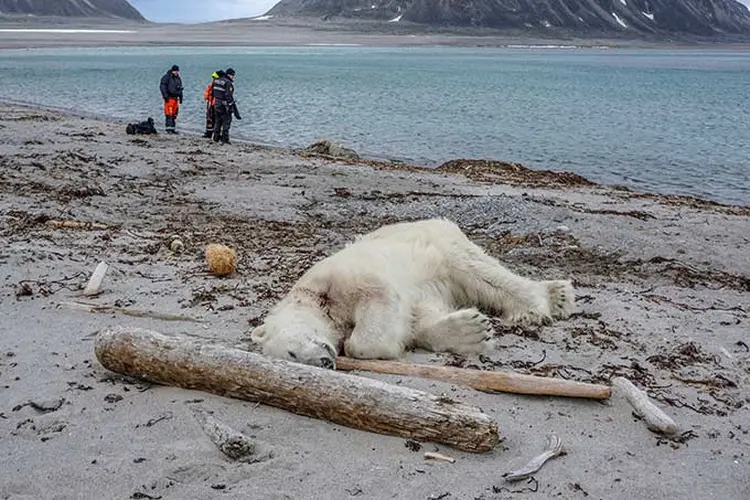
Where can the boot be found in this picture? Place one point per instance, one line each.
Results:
(169, 125)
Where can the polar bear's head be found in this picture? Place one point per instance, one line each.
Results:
(302, 342)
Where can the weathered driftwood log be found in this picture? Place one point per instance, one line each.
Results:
(480, 380)
(345, 399)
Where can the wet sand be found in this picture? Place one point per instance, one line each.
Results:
(663, 292)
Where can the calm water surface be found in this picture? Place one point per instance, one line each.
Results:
(666, 121)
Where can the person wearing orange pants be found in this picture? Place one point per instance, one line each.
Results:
(171, 92)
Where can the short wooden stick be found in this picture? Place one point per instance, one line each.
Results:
(357, 402)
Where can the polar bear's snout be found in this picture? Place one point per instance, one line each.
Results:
(298, 344)
(327, 362)
(314, 353)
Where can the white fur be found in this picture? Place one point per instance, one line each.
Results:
(414, 284)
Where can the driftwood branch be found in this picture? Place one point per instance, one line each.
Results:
(484, 381)
(345, 399)
(655, 419)
(74, 224)
(135, 313)
(232, 443)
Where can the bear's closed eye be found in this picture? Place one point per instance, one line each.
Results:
(291, 355)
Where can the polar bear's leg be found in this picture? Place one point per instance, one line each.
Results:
(437, 329)
(382, 329)
(518, 300)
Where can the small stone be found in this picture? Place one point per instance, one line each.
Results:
(177, 246)
(563, 229)
(112, 398)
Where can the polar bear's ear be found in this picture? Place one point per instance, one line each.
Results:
(258, 333)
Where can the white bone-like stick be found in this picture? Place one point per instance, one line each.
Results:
(655, 418)
(94, 286)
(431, 455)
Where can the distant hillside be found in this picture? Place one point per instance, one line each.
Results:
(118, 9)
(694, 17)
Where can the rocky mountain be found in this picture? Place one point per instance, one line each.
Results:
(694, 17)
(119, 9)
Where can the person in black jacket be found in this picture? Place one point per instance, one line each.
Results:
(208, 96)
(171, 92)
(224, 106)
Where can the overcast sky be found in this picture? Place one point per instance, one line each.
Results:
(193, 11)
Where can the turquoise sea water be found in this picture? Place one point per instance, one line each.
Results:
(666, 121)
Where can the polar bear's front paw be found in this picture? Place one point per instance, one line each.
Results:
(561, 298)
(466, 331)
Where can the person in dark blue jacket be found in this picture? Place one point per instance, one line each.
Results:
(224, 106)
(171, 92)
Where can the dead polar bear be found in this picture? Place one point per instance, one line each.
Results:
(408, 284)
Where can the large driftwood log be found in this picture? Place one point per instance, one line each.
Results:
(345, 399)
(480, 380)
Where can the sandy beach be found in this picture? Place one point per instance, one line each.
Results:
(663, 296)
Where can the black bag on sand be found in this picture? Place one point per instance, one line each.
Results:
(145, 127)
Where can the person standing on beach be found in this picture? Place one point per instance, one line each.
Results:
(224, 106)
(171, 91)
(208, 95)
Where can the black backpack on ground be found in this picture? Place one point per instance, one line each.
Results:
(145, 127)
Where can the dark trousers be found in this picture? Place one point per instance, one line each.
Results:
(222, 123)
(210, 119)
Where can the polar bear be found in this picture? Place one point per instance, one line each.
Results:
(410, 284)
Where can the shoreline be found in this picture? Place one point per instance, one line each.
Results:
(473, 168)
(661, 291)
